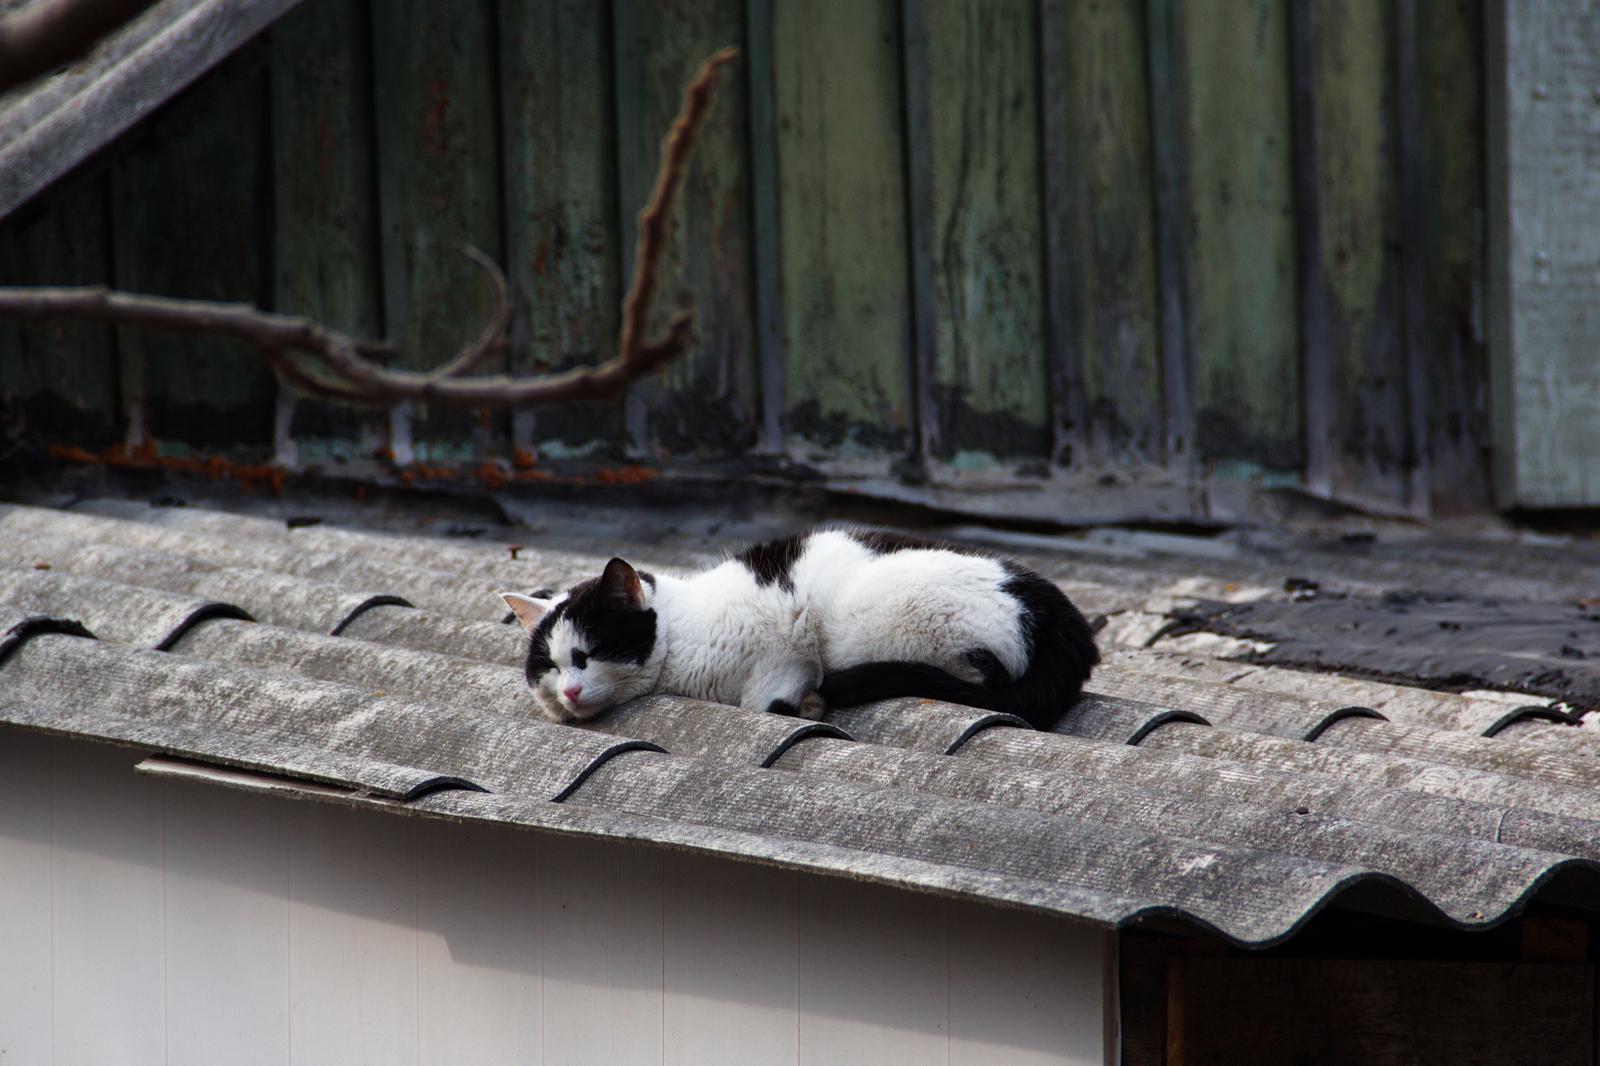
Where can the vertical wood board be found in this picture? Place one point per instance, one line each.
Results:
(842, 221)
(707, 401)
(226, 926)
(1102, 214)
(563, 252)
(991, 382)
(730, 964)
(192, 217)
(1550, 259)
(1025, 990)
(27, 980)
(325, 185)
(1239, 179)
(1453, 342)
(64, 374)
(353, 952)
(1359, 222)
(107, 909)
(873, 976)
(435, 66)
(602, 926)
(479, 945)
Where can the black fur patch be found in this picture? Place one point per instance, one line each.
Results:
(612, 633)
(995, 675)
(773, 562)
(783, 707)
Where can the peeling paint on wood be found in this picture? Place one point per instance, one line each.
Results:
(842, 220)
(190, 215)
(1358, 218)
(991, 384)
(707, 402)
(1453, 342)
(325, 236)
(1106, 199)
(563, 255)
(1239, 162)
(438, 133)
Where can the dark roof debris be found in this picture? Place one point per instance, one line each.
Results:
(1226, 796)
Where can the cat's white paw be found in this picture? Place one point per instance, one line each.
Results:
(813, 706)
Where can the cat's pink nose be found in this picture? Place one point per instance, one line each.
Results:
(572, 692)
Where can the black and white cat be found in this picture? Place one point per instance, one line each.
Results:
(827, 618)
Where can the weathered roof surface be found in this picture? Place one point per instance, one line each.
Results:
(51, 124)
(371, 669)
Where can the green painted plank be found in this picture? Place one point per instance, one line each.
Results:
(1359, 227)
(1107, 223)
(991, 380)
(1450, 159)
(708, 401)
(439, 182)
(63, 375)
(1545, 252)
(1241, 244)
(191, 209)
(324, 155)
(324, 167)
(841, 202)
(563, 252)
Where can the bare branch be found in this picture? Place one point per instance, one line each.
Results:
(326, 363)
(48, 33)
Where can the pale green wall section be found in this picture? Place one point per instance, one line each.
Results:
(325, 248)
(1110, 200)
(705, 402)
(983, 110)
(842, 222)
(1239, 148)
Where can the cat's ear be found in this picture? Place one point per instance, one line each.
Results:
(527, 609)
(620, 584)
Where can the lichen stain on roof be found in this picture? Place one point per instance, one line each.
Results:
(374, 669)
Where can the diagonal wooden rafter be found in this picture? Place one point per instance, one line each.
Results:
(328, 364)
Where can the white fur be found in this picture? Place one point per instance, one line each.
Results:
(722, 637)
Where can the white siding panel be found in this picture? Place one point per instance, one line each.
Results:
(25, 963)
(108, 909)
(1025, 990)
(602, 952)
(479, 950)
(162, 922)
(352, 937)
(227, 928)
(873, 963)
(731, 964)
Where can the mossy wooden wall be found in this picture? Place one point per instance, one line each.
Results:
(1226, 239)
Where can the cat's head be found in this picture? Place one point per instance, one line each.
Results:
(592, 647)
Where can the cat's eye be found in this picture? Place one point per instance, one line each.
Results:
(579, 660)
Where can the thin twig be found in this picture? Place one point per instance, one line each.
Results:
(329, 364)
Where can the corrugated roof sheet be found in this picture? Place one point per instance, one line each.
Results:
(1232, 797)
(51, 124)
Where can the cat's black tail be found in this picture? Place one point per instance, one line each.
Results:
(1062, 652)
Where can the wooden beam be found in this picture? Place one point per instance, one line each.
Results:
(1408, 85)
(1068, 402)
(1316, 372)
(920, 368)
(1167, 133)
(759, 76)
